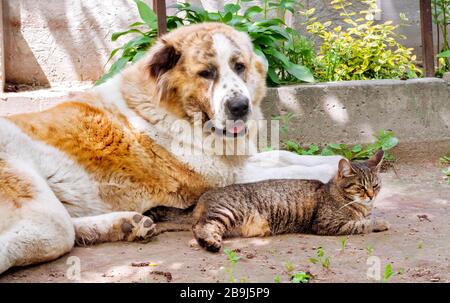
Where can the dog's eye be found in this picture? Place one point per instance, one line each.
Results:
(239, 67)
(207, 74)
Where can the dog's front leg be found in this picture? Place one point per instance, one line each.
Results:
(287, 165)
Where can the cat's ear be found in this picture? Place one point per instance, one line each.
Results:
(376, 160)
(345, 169)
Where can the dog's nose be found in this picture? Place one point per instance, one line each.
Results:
(238, 106)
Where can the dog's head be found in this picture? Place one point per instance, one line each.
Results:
(208, 68)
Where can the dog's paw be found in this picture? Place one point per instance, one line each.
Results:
(380, 225)
(138, 228)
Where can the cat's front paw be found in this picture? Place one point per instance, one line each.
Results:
(380, 225)
(207, 237)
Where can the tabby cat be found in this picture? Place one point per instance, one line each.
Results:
(340, 207)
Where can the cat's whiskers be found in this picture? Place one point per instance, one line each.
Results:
(347, 204)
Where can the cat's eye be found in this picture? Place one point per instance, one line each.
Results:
(208, 73)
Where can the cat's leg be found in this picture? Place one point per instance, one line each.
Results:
(112, 227)
(209, 234)
(364, 226)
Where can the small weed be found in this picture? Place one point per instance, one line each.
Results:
(284, 121)
(370, 249)
(343, 244)
(277, 279)
(445, 160)
(321, 258)
(420, 245)
(300, 277)
(388, 272)
(289, 267)
(232, 258)
(384, 140)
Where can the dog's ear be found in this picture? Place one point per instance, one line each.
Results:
(164, 58)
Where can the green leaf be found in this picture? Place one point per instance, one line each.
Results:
(113, 53)
(115, 36)
(300, 277)
(227, 18)
(273, 76)
(231, 8)
(445, 54)
(388, 272)
(357, 148)
(115, 69)
(300, 72)
(136, 24)
(327, 152)
(146, 13)
(252, 11)
(335, 146)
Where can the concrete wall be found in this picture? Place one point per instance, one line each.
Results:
(353, 111)
(51, 41)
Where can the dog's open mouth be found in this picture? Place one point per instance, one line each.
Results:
(232, 129)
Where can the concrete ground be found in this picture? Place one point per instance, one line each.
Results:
(415, 199)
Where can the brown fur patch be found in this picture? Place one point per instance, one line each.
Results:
(129, 168)
(255, 226)
(14, 188)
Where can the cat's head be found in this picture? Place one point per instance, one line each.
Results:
(360, 182)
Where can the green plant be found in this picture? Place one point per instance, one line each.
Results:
(363, 50)
(300, 277)
(385, 140)
(445, 160)
(321, 258)
(277, 279)
(446, 172)
(441, 17)
(232, 258)
(283, 47)
(284, 121)
(370, 249)
(288, 266)
(343, 244)
(388, 272)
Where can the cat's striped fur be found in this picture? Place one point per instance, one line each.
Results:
(340, 207)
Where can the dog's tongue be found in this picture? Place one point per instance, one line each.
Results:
(236, 127)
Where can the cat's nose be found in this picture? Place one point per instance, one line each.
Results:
(370, 194)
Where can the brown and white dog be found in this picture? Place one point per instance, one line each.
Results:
(86, 170)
